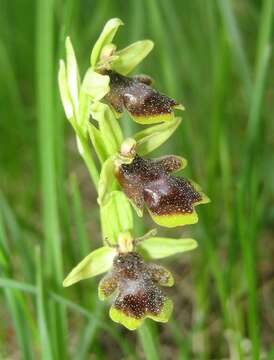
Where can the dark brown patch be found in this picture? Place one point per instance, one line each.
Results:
(149, 181)
(136, 96)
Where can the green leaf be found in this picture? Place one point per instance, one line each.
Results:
(95, 85)
(154, 136)
(128, 58)
(105, 38)
(107, 182)
(109, 127)
(116, 216)
(73, 77)
(160, 247)
(98, 143)
(64, 90)
(97, 262)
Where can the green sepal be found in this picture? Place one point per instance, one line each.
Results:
(95, 85)
(107, 181)
(105, 38)
(110, 129)
(154, 136)
(160, 247)
(116, 216)
(97, 262)
(128, 58)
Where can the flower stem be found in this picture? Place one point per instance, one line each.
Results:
(148, 342)
(87, 157)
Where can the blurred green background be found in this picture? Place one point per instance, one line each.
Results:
(215, 57)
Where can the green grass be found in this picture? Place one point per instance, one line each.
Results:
(215, 57)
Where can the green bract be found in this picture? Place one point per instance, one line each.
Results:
(123, 178)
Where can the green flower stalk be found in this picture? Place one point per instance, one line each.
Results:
(125, 179)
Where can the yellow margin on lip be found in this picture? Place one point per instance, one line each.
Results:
(132, 323)
(174, 220)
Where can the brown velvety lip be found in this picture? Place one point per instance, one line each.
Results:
(149, 181)
(140, 99)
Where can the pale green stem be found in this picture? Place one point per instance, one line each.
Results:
(148, 343)
(89, 161)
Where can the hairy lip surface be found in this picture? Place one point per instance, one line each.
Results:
(136, 282)
(147, 181)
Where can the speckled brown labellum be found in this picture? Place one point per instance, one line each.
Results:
(136, 281)
(145, 104)
(149, 182)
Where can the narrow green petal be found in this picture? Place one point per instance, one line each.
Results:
(154, 136)
(128, 58)
(165, 313)
(97, 262)
(105, 38)
(95, 85)
(127, 321)
(161, 247)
